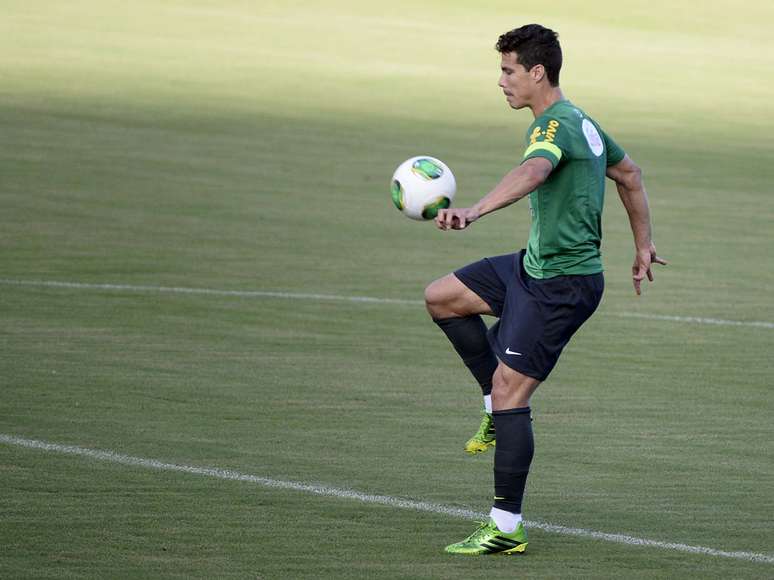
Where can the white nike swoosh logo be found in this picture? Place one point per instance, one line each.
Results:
(509, 351)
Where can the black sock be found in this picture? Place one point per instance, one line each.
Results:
(468, 336)
(513, 455)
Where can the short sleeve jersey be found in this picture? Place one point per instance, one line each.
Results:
(566, 209)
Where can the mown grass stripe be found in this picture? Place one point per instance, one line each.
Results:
(344, 298)
(337, 492)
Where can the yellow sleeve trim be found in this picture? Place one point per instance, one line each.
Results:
(546, 146)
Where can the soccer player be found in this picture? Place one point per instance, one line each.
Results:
(543, 294)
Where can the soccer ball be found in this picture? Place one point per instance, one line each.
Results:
(421, 186)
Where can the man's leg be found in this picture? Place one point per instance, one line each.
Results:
(447, 297)
(457, 310)
(515, 447)
(505, 533)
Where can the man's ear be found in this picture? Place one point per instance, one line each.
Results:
(537, 72)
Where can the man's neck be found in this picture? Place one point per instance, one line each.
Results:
(545, 100)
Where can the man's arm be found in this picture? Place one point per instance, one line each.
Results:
(516, 184)
(628, 179)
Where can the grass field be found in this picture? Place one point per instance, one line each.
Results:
(247, 147)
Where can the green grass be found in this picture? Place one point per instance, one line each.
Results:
(249, 146)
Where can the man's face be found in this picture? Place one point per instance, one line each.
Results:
(515, 81)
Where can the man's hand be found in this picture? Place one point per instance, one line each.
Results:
(643, 260)
(456, 218)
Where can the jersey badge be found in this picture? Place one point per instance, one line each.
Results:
(592, 137)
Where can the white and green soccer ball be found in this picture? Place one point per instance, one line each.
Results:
(421, 186)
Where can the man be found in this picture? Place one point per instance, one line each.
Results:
(543, 294)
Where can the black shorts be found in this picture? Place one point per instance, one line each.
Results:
(536, 317)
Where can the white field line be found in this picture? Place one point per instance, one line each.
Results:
(342, 298)
(341, 493)
(697, 319)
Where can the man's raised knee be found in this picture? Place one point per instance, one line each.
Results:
(447, 297)
(434, 299)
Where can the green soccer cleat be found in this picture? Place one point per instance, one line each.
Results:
(487, 539)
(484, 437)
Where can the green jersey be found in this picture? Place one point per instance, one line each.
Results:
(567, 208)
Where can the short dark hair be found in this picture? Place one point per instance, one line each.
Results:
(534, 44)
